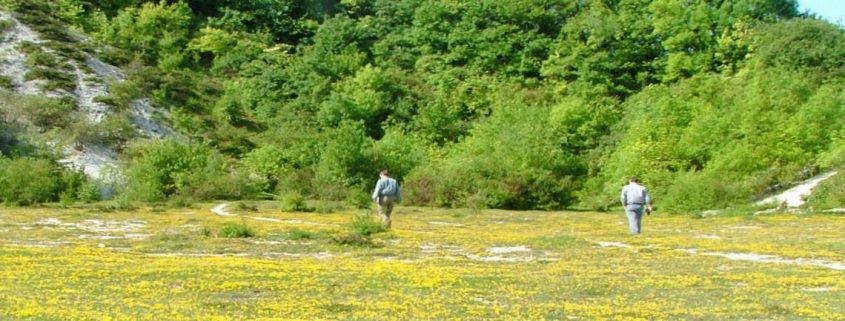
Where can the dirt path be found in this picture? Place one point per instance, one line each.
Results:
(794, 197)
(220, 209)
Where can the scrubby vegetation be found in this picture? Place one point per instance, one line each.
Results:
(481, 104)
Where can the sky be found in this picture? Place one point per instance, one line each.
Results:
(830, 10)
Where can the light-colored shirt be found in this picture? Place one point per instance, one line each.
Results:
(387, 186)
(634, 193)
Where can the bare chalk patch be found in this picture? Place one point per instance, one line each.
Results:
(43, 244)
(743, 227)
(615, 244)
(99, 229)
(444, 223)
(511, 249)
(709, 237)
(98, 226)
(765, 258)
(500, 258)
(820, 289)
(776, 259)
(220, 209)
(291, 221)
(794, 197)
(269, 255)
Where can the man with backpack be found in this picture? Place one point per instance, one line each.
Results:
(635, 200)
(385, 195)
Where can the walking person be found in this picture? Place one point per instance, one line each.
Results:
(635, 200)
(385, 195)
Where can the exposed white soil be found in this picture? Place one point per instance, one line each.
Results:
(444, 223)
(96, 226)
(615, 244)
(744, 227)
(220, 209)
(821, 289)
(709, 237)
(93, 160)
(319, 255)
(44, 244)
(12, 61)
(113, 237)
(498, 254)
(753, 257)
(505, 250)
(500, 258)
(794, 197)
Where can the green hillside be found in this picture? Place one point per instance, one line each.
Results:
(529, 104)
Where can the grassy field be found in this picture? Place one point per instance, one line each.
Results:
(173, 264)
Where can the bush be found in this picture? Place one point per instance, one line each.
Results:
(45, 112)
(26, 181)
(353, 239)
(293, 202)
(364, 224)
(6, 25)
(56, 79)
(236, 230)
(166, 168)
(327, 207)
(358, 198)
(6, 82)
(297, 234)
(829, 194)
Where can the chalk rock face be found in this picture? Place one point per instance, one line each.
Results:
(92, 78)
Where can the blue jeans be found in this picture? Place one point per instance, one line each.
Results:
(635, 217)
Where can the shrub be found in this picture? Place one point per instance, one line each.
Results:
(267, 164)
(5, 25)
(6, 82)
(56, 79)
(166, 168)
(233, 230)
(247, 207)
(327, 207)
(829, 194)
(45, 112)
(293, 202)
(359, 198)
(26, 181)
(353, 239)
(297, 234)
(364, 224)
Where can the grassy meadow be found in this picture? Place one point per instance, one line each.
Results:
(92, 263)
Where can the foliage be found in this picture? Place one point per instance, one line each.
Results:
(233, 230)
(504, 104)
(160, 169)
(6, 82)
(26, 181)
(293, 202)
(364, 224)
